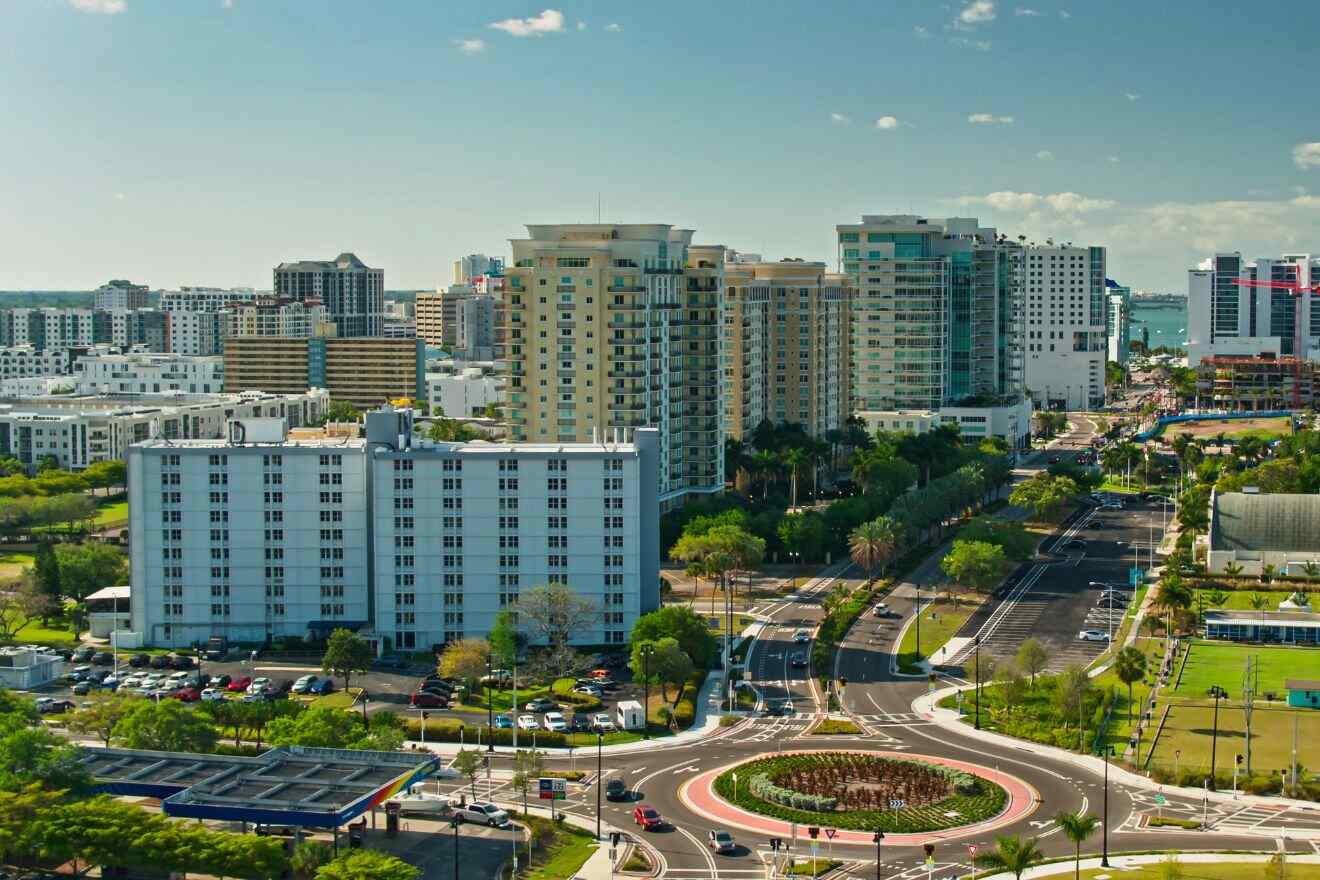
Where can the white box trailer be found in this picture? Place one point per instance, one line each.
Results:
(629, 715)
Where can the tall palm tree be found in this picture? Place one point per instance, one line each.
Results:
(1077, 827)
(835, 438)
(1232, 569)
(763, 464)
(1130, 666)
(735, 458)
(793, 459)
(1011, 854)
(873, 544)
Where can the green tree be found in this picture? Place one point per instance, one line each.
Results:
(19, 812)
(1258, 601)
(468, 763)
(1033, 658)
(100, 715)
(367, 864)
(35, 756)
(975, 564)
(467, 660)
(450, 431)
(346, 652)
(1012, 855)
(682, 624)
(46, 568)
(1130, 666)
(527, 768)
(1043, 494)
(106, 474)
(167, 726)
(1071, 688)
(720, 553)
(803, 533)
(327, 727)
(341, 411)
(308, 857)
(1012, 688)
(667, 665)
(54, 482)
(873, 545)
(86, 568)
(503, 640)
(1077, 827)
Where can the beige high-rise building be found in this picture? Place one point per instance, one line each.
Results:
(786, 346)
(606, 327)
(438, 313)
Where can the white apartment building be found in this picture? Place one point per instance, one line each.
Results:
(474, 265)
(53, 328)
(1064, 296)
(197, 333)
(474, 338)
(23, 361)
(144, 327)
(461, 392)
(417, 544)
(149, 374)
(282, 317)
(1009, 422)
(1227, 318)
(120, 294)
(205, 299)
(1118, 323)
(78, 431)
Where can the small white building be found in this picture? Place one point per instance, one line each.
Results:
(1009, 422)
(149, 374)
(462, 392)
(109, 610)
(25, 669)
(1252, 529)
(629, 715)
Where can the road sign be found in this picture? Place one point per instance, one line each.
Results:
(1134, 575)
(897, 804)
(1159, 800)
(830, 832)
(552, 789)
(971, 850)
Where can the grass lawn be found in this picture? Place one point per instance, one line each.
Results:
(12, 563)
(36, 634)
(1119, 729)
(812, 867)
(1222, 664)
(939, 621)
(1189, 730)
(1234, 428)
(1204, 871)
(1240, 600)
(564, 856)
(502, 699)
(1115, 484)
(111, 514)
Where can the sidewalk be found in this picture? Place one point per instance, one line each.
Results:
(598, 866)
(926, 706)
(1121, 864)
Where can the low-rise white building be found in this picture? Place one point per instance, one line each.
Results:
(77, 431)
(1009, 422)
(462, 391)
(25, 669)
(1253, 529)
(149, 374)
(22, 361)
(204, 299)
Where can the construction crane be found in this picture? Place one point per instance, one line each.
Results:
(1298, 290)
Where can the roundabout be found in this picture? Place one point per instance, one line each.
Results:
(912, 798)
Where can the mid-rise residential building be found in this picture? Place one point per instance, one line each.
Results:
(786, 344)
(24, 361)
(607, 326)
(1009, 422)
(54, 328)
(1228, 318)
(77, 431)
(937, 315)
(1118, 321)
(204, 299)
(120, 294)
(474, 337)
(280, 316)
(437, 314)
(365, 372)
(399, 328)
(197, 333)
(146, 328)
(1064, 295)
(462, 389)
(411, 543)
(473, 265)
(1255, 383)
(352, 293)
(124, 374)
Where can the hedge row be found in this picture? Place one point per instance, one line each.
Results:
(563, 691)
(763, 787)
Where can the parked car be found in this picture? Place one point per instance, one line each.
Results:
(606, 683)
(187, 695)
(56, 707)
(103, 658)
(616, 790)
(80, 673)
(528, 722)
(96, 676)
(212, 695)
(322, 686)
(1093, 635)
(482, 813)
(648, 817)
(554, 721)
(160, 661)
(541, 704)
(390, 662)
(721, 841)
(83, 687)
(426, 700)
(590, 690)
(503, 722)
(304, 684)
(258, 685)
(137, 661)
(802, 637)
(602, 723)
(239, 684)
(798, 660)
(83, 654)
(110, 682)
(439, 685)
(181, 661)
(580, 724)
(220, 681)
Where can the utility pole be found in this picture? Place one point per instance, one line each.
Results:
(1219, 694)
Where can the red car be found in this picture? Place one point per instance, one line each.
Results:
(425, 700)
(648, 817)
(187, 695)
(239, 684)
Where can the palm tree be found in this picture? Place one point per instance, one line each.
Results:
(1258, 601)
(1266, 573)
(1130, 666)
(1232, 569)
(835, 438)
(1077, 827)
(873, 544)
(793, 459)
(1312, 570)
(735, 458)
(763, 463)
(1011, 854)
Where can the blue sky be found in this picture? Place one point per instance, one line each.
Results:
(203, 141)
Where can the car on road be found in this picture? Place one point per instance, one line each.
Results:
(240, 684)
(322, 686)
(648, 817)
(540, 704)
(212, 695)
(1093, 635)
(481, 813)
(181, 661)
(83, 687)
(304, 684)
(503, 722)
(883, 610)
(721, 841)
(258, 685)
(1054, 459)
(528, 722)
(426, 700)
(54, 707)
(778, 707)
(802, 637)
(554, 721)
(616, 790)
(603, 723)
(798, 660)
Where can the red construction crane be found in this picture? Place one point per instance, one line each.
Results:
(1298, 290)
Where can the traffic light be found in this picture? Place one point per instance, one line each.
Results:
(930, 849)
(615, 838)
(426, 715)
(814, 831)
(775, 844)
(1238, 760)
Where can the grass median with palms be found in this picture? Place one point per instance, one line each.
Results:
(940, 620)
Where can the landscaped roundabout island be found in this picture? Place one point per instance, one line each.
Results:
(861, 791)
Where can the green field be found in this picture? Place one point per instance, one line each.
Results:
(939, 621)
(1265, 429)
(1204, 871)
(1189, 730)
(111, 515)
(12, 563)
(1222, 665)
(37, 635)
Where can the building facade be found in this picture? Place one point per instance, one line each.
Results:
(196, 333)
(145, 328)
(1066, 338)
(474, 265)
(438, 314)
(461, 392)
(352, 293)
(1260, 383)
(474, 337)
(275, 316)
(77, 431)
(204, 299)
(365, 372)
(55, 328)
(1118, 323)
(1227, 318)
(608, 326)
(23, 361)
(786, 343)
(122, 374)
(258, 536)
(120, 294)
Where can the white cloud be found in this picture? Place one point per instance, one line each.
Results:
(1045, 155)
(840, 119)
(1063, 203)
(1132, 96)
(975, 13)
(613, 28)
(550, 21)
(1113, 160)
(989, 119)
(582, 25)
(100, 7)
(471, 47)
(1307, 155)
(887, 123)
(227, 4)
(921, 31)
(979, 45)
(120, 196)
(1026, 11)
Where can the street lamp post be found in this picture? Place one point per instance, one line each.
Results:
(455, 822)
(647, 649)
(490, 704)
(600, 776)
(977, 642)
(879, 836)
(1104, 854)
(1219, 694)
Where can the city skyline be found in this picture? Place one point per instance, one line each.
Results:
(207, 142)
